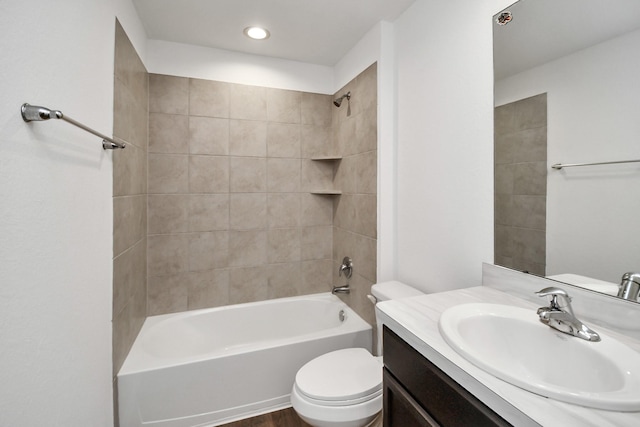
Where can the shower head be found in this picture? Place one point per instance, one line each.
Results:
(338, 101)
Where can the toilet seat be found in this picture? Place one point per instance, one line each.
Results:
(341, 378)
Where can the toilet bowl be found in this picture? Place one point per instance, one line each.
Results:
(343, 388)
(339, 389)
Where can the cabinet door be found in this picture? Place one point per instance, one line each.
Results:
(400, 410)
(445, 400)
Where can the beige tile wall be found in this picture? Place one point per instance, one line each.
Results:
(230, 216)
(129, 197)
(521, 184)
(355, 211)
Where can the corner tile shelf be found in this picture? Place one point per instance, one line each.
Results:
(326, 159)
(327, 192)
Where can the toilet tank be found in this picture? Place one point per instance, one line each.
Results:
(385, 291)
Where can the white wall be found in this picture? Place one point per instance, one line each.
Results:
(56, 210)
(359, 57)
(184, 60)
(592, 212)
(387, 156)
(445, 142)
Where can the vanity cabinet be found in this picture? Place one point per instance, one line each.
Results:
(417, 393)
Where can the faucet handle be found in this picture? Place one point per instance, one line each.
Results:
(555, 294)
(552, 290)
(347, 267)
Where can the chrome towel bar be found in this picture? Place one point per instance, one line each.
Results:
(571, 165)
(34, 113)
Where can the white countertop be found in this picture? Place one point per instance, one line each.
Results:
(415, 320)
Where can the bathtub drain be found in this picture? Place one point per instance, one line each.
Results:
(342, 316)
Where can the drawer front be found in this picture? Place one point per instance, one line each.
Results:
(448, 403)
(400, 409)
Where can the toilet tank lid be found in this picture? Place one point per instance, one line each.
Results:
(393, 289)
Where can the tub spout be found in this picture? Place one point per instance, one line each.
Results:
(341, 290)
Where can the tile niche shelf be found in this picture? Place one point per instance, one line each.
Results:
(328, 158)
(327, 192)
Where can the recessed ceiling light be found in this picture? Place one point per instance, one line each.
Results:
(256, 33)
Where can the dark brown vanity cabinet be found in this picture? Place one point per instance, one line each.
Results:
(417, 393)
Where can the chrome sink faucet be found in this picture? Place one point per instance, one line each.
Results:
(559, 315)
(629, 286)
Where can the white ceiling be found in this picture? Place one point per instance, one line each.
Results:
(312, 31)
(545, 30)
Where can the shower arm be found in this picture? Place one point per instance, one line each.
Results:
(338, 101)
(34, 113)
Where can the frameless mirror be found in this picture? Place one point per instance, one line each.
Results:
(567, 91)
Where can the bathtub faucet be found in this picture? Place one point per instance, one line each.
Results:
(347, 269)
(341, 290)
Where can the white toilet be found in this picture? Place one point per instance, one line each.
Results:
(343, 388)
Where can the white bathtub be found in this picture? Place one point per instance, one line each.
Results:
(213, 366)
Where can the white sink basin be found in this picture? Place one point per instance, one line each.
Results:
(513, 345)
